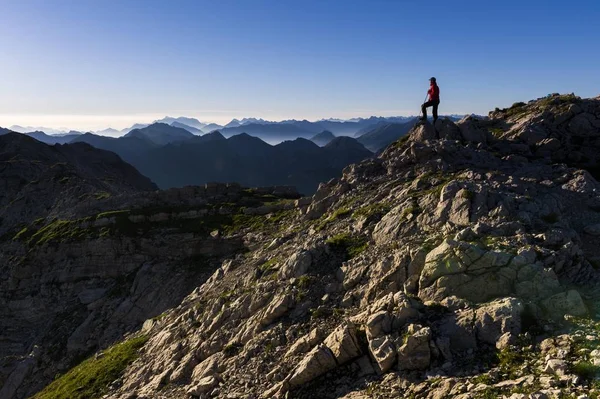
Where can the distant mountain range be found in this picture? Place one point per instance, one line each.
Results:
(274, 132)
(46, 138)
(253, 153)
(47, 130)
(174, 157)
(270, 131)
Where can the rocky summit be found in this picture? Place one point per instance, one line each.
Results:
(462, 262)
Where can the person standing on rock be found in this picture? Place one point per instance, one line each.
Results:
(434, 100)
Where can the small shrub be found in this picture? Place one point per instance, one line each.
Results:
(482, 379)
(401, 141)
(320, 312)
(468, 194)
(496, 131)
(232, 349)
(509, 362)
(350, 245)
(300, 295)
(227, 295)
(341, 213)
(303, 281)
(269, 265)
(586, 370)
(411, 210)
(269, 347)
(516, 109)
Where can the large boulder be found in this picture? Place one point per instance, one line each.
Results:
(316, 363)
(296, 266)
(415, 353)
(497, 318)
(424, 131)
(343, 343)
(278, 307)
(447, 129)
(459, 329)
(467, 271)
(306, 342)
(383, 352)
(471, 131)
(338, 348)
(563, 303)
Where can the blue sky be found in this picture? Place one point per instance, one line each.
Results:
(91, 64)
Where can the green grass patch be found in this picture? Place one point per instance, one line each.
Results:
(517, 109)
(109, 214)
(482, 379)
(339, 213)
(320, 312)
(496, 131)
(102, 195)
(303, 282)
(232, 349)
(510, 361)
(373, 210)
(559, 99)
(401, 141)
(59, 231)
(351, 246)
(411, 210)
(21, 234)
(586, 370)
(269, 266)
(90, 379)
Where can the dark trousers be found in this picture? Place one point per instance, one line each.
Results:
(433, 104)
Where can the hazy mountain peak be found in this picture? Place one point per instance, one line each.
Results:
(189, 128)
(323, 138)
(161, 133)
(192, 122)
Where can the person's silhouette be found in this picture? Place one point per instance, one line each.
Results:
(434, 100)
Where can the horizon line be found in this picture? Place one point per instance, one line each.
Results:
(62, 127)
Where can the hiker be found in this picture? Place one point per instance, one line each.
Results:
(434, 100)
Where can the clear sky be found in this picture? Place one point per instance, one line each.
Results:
(88, 64)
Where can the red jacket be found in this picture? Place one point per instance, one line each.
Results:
(434, 92)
